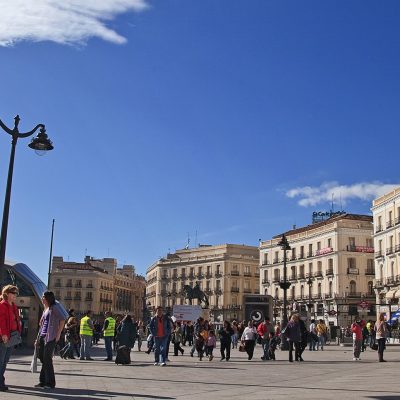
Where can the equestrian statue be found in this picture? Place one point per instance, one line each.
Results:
(195, 292)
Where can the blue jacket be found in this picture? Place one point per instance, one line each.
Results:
(167, 326)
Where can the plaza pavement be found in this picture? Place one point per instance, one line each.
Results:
(328, 374)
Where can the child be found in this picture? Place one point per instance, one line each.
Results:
(211, 344)
(273, 344)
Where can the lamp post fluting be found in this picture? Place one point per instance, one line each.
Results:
(41, 143)
(284, 285)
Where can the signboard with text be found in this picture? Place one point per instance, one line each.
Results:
(186, 312)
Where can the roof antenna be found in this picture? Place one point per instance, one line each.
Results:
(341, 205)
(332, 203)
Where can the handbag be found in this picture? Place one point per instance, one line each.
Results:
(241, 347)
(15, 339)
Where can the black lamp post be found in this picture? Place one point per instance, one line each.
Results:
(310, 304)
(285, 285)
(41, 143)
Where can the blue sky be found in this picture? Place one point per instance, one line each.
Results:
(235, 119)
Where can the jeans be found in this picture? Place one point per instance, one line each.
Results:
(297, 354)
(160, 351)
(357, 347)
(225, 346)
(47, 376)
(86, 343)
(249, 347)
(265, 346)
(381, 347)
(321, 342)
(234, 338)
(108, 345)
(5, 353)
(312, 342)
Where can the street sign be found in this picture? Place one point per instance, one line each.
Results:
(186, 312)
(364, 304)
(332, 312)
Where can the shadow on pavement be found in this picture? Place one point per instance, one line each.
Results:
(67, 394)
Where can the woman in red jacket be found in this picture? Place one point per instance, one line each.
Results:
(9, 321)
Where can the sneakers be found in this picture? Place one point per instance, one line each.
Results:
(39, 385)
(355, 359)
(211, 358)
(222, 359)
(156, 363)
(163, 364)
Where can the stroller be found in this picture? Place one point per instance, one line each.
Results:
(273, 344)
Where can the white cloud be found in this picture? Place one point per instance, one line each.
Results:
(313, 195)
(62, 21)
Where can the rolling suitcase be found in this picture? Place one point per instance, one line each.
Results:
(123, 355)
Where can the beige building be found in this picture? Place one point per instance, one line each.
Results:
(330, 267)
(225, 273)
(97, 285)
(386, 214)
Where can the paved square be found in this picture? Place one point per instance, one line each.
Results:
(328, 374)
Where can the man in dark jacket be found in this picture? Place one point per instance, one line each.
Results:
(160, 328)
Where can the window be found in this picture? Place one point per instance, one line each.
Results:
(276, 274)
(369, 242)
(301, 251)
(370, 264)
(218, 285)
(310, 268)
(330, 289)
(318, 245)
(265, 258)
(234, 301)
(352, 241)
(392, 269)
(351, 262)
(329, 242)
(276, 258)
(319, 266)
(319, 290)
(353, 287)
(330, 263)
(302, 270)
(247, 270)
(247, 284)
(293, 253)
(293, 292)
(302, 291)
(370, 288)
(218, 267)
(266, 275)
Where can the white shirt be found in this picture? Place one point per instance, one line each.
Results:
(249, 334)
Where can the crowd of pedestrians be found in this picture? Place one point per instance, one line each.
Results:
(73, 337)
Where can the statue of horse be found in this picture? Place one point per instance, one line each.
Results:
(195, 293)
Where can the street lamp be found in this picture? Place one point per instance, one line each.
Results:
(310, 304)
(285, 285)
(41, 143)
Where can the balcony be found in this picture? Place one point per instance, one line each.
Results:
(276, 279)
(352, 271)
(200, 275)
(329, 272)
(309, 275)
(234, 289)
(310, 254)
(79, 298)
(389, 251)
(89, 286)
(163, 278)
(191, 276)
(275, 261)
(301, 256)
(370, 271)
(292, 277)
(88, 299)
(218, 291)
(390, 280)
(378, 283)
(293, 258)
(247, 290)
(389, 224)
(301, 276)
(208, 292)
(353, 295)
(257, 274)
(359, 249)
(57, 284)
(68, 298)
(247, 274)
(318, 274)
(208, 275)
(218, 274)
(397, 248)
(378, 254)
(174, 277)
(378, 229)
(69, 284)
(183, 277)
(234, 307)
(235, 273)
(265, 281)
(78, 286)
(397, 221)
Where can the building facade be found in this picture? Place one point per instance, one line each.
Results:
(386, 214)
(330, 267)
(97, 285)
(225, 273)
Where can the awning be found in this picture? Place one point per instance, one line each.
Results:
(394, 317)
(390, 293)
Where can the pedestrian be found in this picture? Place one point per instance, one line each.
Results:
(177, 339)
(127, 332)
(160, 328)
(197, 339)
(321, 334)
(211, 344)
(304, 338)
(357, 328)
(249, 339)
(10, 323)
(86, 333)
(293, 334)
(225, 338)
(313, 335)
(71, 335)
(382, 332)
(265, 330)
(108, 334)
(140, 334)
(189, 333)
(51, 325)
(235, 334)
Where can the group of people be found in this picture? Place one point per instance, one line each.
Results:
(79, 335)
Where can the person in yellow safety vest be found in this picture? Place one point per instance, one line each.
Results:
(86, 333)
(108, 333)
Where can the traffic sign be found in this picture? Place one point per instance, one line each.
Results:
(332, 312)
(364, 304)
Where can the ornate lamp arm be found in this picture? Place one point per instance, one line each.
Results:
(15, 132)
(27, 134)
